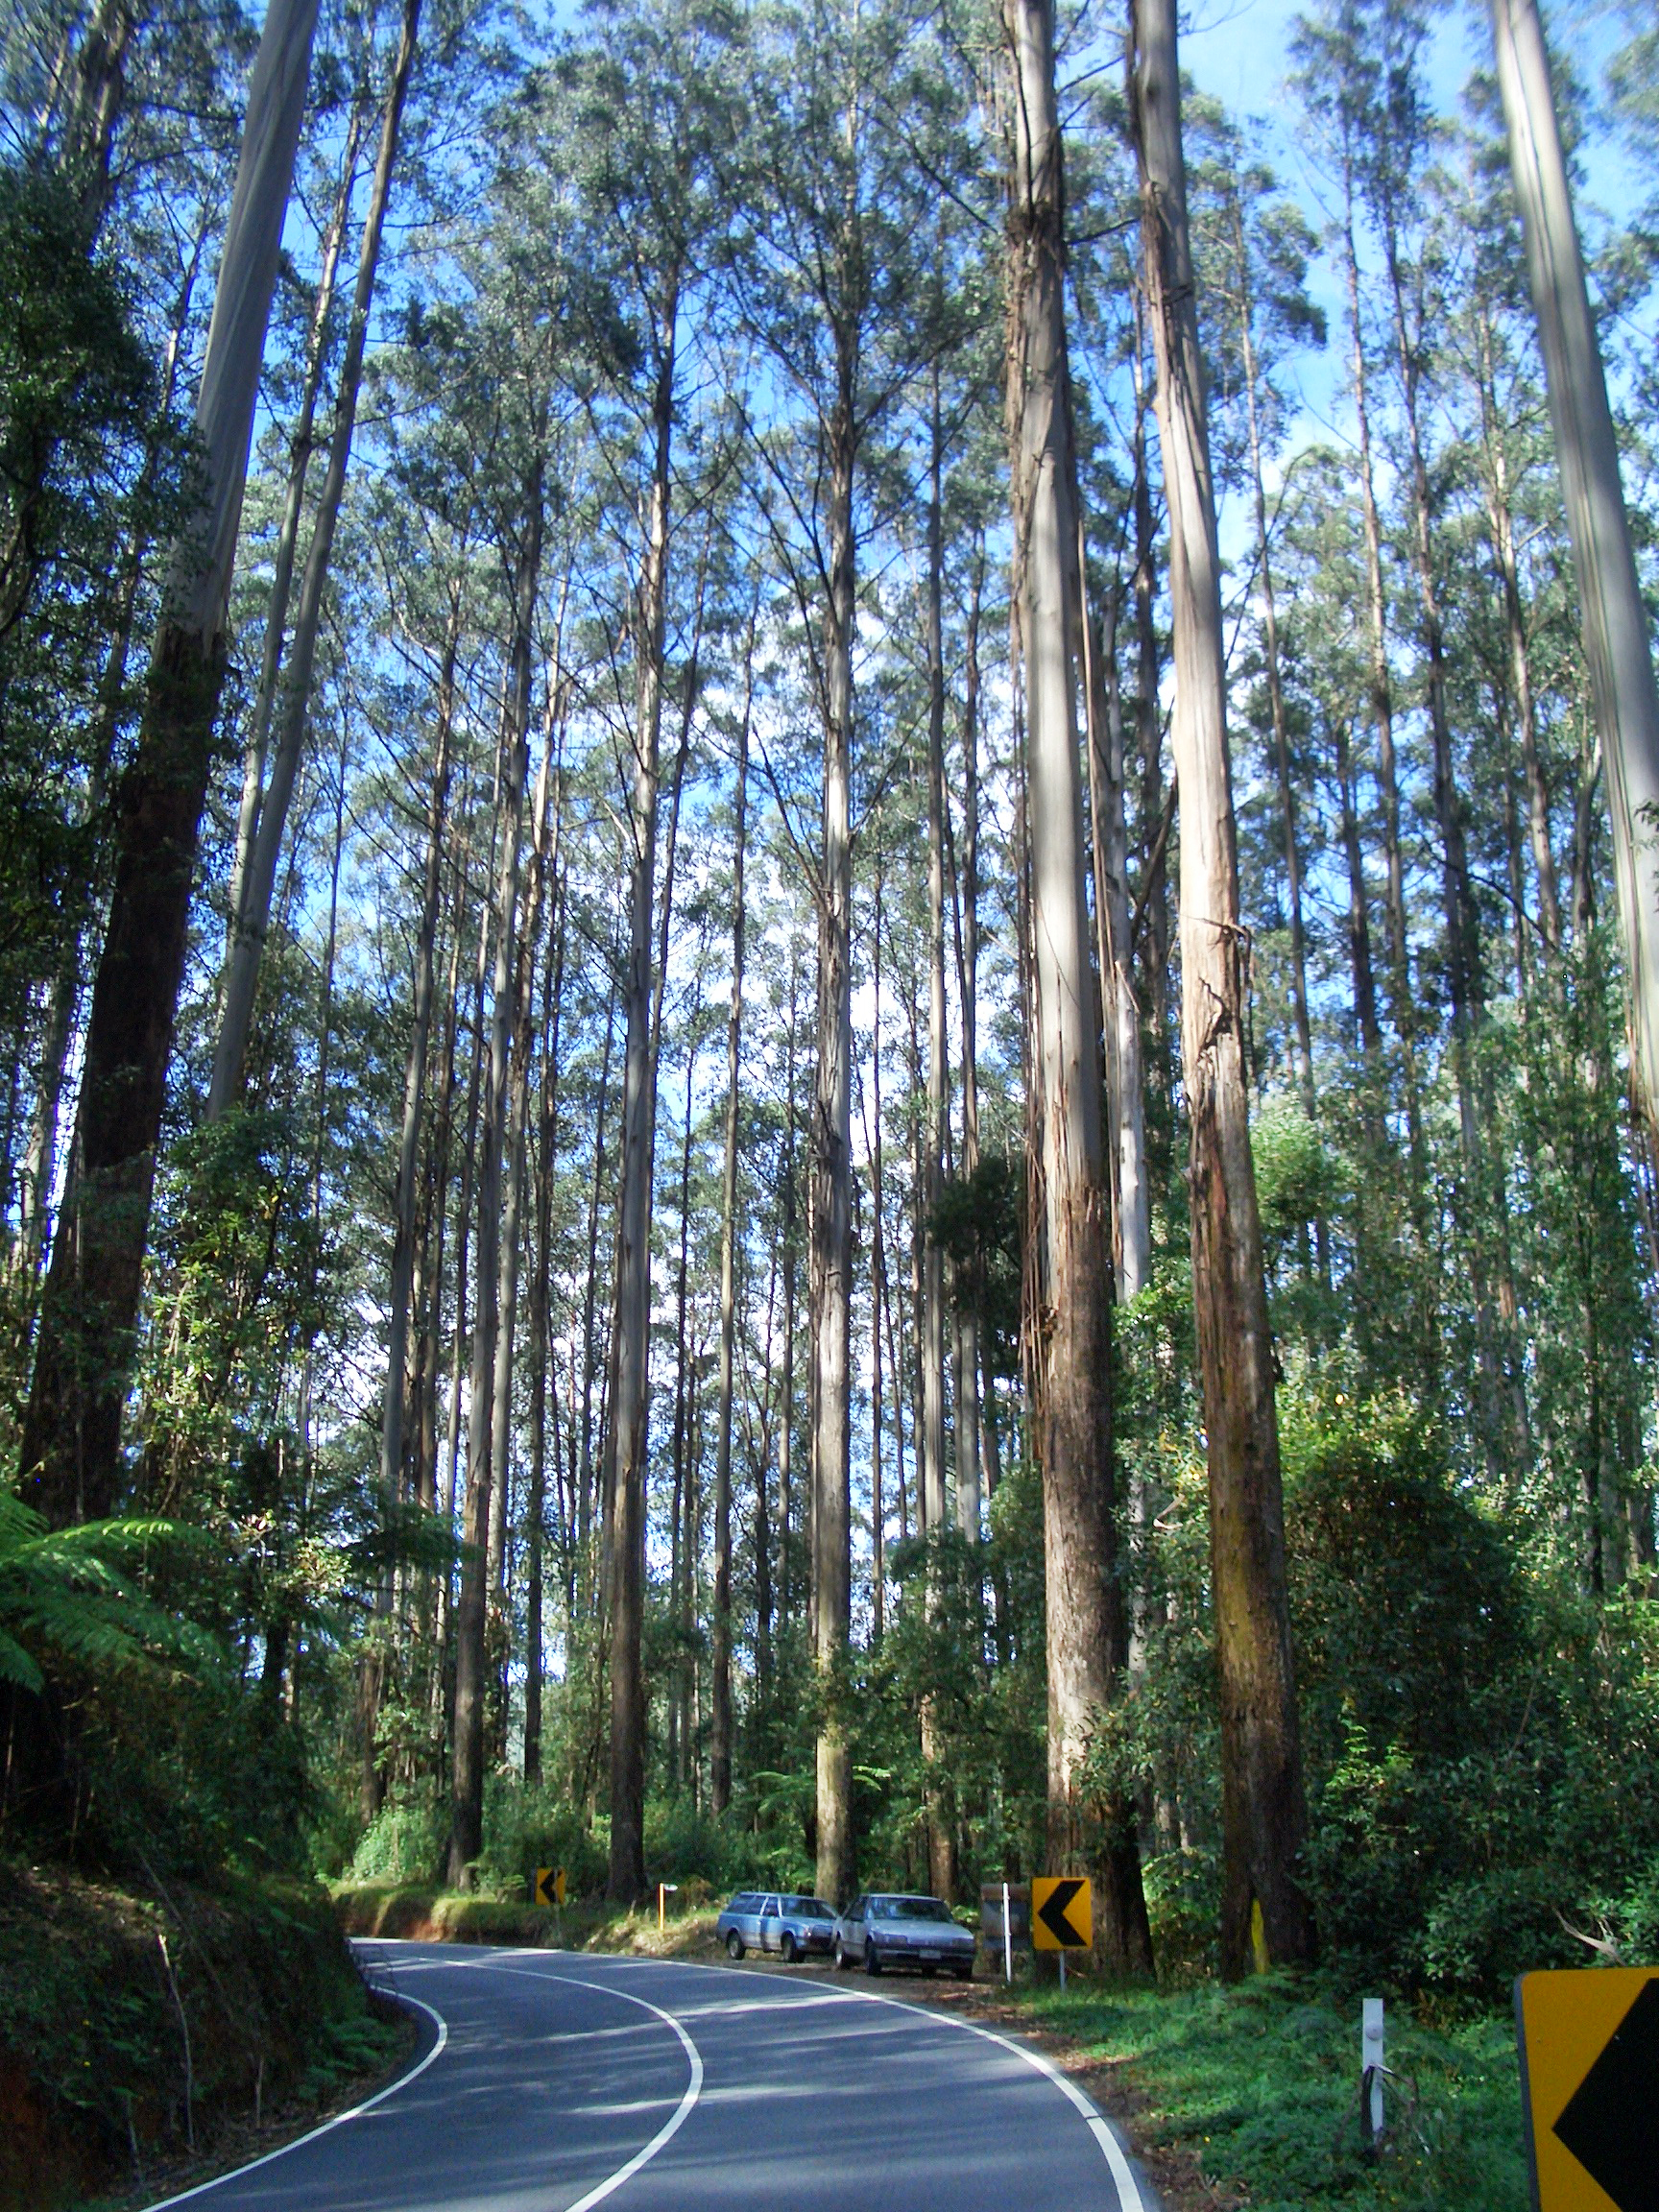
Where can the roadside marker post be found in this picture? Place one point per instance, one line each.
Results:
(1007, 1939)
(1371, 2071)
(664, 1891)
(1588, 2042)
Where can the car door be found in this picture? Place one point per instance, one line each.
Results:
(853, 1941)
(771, 1934)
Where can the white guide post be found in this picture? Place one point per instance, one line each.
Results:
(1371, 2059)
(1007, 1936)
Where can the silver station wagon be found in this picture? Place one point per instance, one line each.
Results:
(776, 1921)
(885, 1928)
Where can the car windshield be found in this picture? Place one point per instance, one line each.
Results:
(912, 1909)
(808, 1908)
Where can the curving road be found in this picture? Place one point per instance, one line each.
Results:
(555, 2081)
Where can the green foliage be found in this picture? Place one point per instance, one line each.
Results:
(1258, 2085)
(980, 1223)
(70, 1596)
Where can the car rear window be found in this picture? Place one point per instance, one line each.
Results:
(745, 1901)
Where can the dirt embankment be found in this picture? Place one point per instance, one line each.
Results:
(142, 2030)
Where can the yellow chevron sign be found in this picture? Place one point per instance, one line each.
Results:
(1061, 1913)
(549, 1886)
(1589, 2043)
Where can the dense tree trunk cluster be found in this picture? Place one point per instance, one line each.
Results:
(606, 1101)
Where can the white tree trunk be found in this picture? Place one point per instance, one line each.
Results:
(1616, 641)
(253, 916)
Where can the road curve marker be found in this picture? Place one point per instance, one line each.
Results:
(235, 2172)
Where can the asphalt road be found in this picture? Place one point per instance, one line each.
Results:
(555, 2081)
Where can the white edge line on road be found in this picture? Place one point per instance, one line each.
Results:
(339, 2120)
(1129, 2195)
(676, 2119)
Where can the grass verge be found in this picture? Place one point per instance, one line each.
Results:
(1248, 2096)
(428, 1915)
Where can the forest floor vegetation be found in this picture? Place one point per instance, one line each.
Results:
(148, 2040)
(1248, 2095)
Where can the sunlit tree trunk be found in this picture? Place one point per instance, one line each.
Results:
(1085, 1625)
(467, 1777)
(831, 1222)
(720, 1653)
(70, 1455)
(253, 911)
(1618, 639)
(391, 1407)
(1303, 1034)
(631, 1353)
(1263, 1813)
(301, 444)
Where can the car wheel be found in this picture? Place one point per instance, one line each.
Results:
(839, 1954)
(735, 1945)
(790, 1949)
(872, 1957)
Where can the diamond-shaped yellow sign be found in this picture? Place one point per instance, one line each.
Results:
(1589, 2044)
(1061, 1913)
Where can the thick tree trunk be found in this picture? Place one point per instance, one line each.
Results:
(466, 1776)
(1086, 1631)
(1263, 1814)
(72, 1430)
(252, 914)
(720, 1655)
(1618, 642)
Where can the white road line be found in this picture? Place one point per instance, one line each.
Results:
(675, 2120)
(339, 2120)
(1129, 2195)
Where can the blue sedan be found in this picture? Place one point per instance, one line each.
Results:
(776, 1921)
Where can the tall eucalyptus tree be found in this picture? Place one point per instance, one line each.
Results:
(1085, 1627)
(72, 1428)
(1263, 1810)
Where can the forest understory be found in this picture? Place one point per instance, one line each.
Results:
(829, 992)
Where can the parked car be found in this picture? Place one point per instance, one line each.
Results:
(885, 1928)
(776, 1921)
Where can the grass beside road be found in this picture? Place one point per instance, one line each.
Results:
(1249, 2097)
(429, 1915)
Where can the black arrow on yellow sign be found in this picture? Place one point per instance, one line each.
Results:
(1611, 2125)
(1589, 2050)
(1058, 1914)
